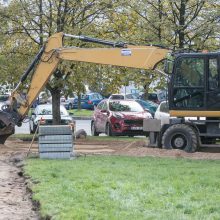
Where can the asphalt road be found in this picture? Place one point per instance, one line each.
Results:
(80, 124)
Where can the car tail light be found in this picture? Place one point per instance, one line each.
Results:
(42, 121)
(89, 102)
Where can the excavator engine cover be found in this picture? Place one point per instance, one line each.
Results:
(7, 126)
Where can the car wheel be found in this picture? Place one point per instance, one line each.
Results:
(93, 130)
(34, 128)
(108, 130)
(180, 136)
(31, 131)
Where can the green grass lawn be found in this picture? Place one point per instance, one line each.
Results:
(82, 112)
(111, 187)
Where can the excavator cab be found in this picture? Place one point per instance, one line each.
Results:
(194, 86)
(194, 104)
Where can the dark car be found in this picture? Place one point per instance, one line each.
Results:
(43, 114)
(119, 117)
(148, 105)
(156, 97)
(88, 101)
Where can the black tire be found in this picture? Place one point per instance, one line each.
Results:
(108, 130)
(31, 131)
(93, 130)
(180, 136)
(34, 128)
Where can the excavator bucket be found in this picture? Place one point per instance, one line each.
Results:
(7, 126)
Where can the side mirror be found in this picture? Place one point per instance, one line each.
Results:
(168, 68)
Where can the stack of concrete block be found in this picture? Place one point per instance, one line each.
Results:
(55, 142)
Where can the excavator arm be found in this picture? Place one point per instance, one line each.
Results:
(49, 57)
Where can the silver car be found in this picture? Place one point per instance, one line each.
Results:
(162, 113)
(43, 115)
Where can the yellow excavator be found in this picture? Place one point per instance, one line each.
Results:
(193, 88)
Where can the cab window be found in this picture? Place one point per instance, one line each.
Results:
(190, 72)
(213, 74)
(189, 83)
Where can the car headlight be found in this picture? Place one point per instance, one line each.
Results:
(117, 115)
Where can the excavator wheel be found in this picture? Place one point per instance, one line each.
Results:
(180, 136)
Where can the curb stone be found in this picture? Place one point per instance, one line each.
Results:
(81, 118)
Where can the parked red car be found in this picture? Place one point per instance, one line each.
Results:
(119, 117)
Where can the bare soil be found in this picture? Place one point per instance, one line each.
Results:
(15, 199)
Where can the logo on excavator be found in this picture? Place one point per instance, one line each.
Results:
(126, 52)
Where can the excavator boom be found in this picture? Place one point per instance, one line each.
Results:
(49, 57)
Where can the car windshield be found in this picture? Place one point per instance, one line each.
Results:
(148, 104)
(125, 106)
(47, 110)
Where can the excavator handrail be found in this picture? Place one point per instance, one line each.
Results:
(97, 40)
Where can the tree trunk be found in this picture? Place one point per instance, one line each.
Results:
(41, 22)
(181, 30)
(160, 6)
(55, 92)
(79, 101)
(146, 88)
